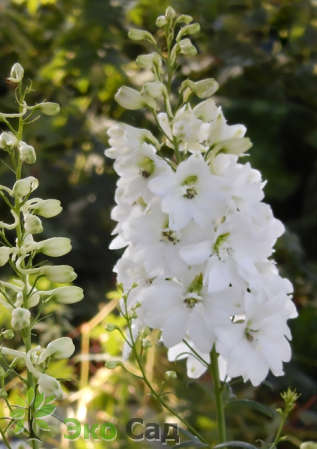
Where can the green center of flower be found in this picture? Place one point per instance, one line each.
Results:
(170, 236)
(146, 167)
(189, 184)
(220, 241)
(191, 301)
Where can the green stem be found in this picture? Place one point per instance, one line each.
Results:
(279, 432)
(218, 391)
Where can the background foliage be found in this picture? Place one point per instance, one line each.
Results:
(264, 54)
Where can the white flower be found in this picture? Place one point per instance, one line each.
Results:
(61, 348)
(49, 386)
(21, 318)
(185, 310)
(190, 193)
(16, 73)
(257, 340)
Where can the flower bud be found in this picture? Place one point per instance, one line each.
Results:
(187, 48)
(5, 252)
(153, 89)
(112, 364)
(25, 186)
(16, 73)
(55, 247)
(62, 348)
(141, 35)
(149, 60)
(8, 334)
(21, 318)
(49, 386)
(7, 140)
(203, 89)
(170, 12)
(171, 375)
(47, 208)
(49, 108)
(191, 29)
(58, 273)
(308, 445)
(32, 224)
(129, 98)
(67, 295)
(161, 21)
(27, 153)
(34, 300)
(184, 18)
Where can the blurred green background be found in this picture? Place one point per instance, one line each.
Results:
(264, 54)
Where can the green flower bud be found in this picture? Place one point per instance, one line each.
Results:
(111, 327)
(8, 141)
(153, 89)
(8, 334)
(5, 252)
(67, 295)
(203, 89)
(308, 445)
(191, 29)
(58, 273)
(55, 246)
(61, 348)
(34, 300)
(149, 60)
(47, 208)
(16, 73)
(25, 186)
(49, 108)
(49, 386)
(161, 21)
(170, 375)
(170, 12)
(187, 48)
(184, 18)
(27, 153)
(21, 319)
(129, 98)
(111, 364)
(141, 35)
(32, 224)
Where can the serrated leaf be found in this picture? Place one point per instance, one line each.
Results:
(39, 399)
(46, 410)
(242, 444)
(17, 413)
(254, 405)
(43, 424)
(30, 395)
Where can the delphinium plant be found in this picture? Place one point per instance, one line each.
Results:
(198, 238)
(22, 269)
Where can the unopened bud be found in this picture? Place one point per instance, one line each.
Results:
(8, 334)
(67, 295)
(141, 35)
(129, 98)
(191, 29)
(25, 186)
(170, 12)
(49, 108)
(111, 327)
(161, 21)
(184, 18)
(153, 89)
(58, 273)
(55, 246)
(61, 348)
(308, 445)
(21, 318)
(5, 252)
(27, 153)
(34, 300)
(203, 89)
(32, 224)
(8, 141)
(149, 60)
(16, 73)
(48, 208)
(187, 48)
(170, 375)
(49, 386)
(111, 364)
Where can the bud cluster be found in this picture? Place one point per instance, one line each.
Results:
(20, 246)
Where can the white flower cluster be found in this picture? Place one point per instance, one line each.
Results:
(198, 236)
(199, 240)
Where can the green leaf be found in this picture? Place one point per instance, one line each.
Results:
(17, 413)
(254, 405)
(235, 444)
(192, 442)
(19, 427)
(46, 410)
(42, 424)
(39, 399)
(50, 399)
(30, 395)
